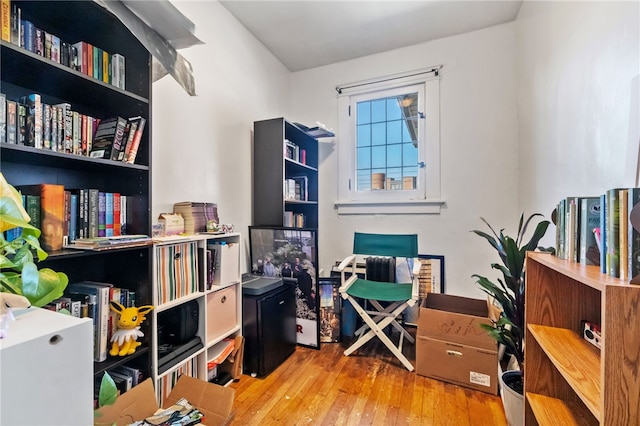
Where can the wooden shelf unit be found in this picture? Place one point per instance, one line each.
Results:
(565, 376)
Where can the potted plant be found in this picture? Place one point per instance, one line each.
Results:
(19, 274)
(509, 292)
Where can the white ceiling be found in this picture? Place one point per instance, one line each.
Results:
(305, 34)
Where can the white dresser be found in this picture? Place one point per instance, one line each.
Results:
(46, 370)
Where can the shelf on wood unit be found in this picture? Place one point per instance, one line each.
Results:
(553, 411)
(578, 363)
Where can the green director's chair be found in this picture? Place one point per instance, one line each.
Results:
(396, 296)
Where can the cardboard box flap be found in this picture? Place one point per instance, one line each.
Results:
(214, 401)
(455, 319)
(457, 304)
(136, 404)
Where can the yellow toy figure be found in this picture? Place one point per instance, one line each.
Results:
(124, 339)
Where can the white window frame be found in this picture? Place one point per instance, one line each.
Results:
(426, 198)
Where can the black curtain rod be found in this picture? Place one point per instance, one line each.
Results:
(435, 71)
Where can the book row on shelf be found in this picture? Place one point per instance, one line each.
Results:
(125, 377)
(293, 152)
(90, 299)
(78, 55)
(72, 215)
(296, 188)
(294, 220)
(599, 230)
(30, 122)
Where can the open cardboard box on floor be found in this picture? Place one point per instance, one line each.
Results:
(214, 401)
(452, 347)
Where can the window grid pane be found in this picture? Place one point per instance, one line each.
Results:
(388, 128)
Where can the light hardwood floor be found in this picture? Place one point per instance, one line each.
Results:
(370, 387)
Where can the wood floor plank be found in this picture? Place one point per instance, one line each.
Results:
(369, 387)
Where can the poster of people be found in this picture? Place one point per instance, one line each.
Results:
(291, 254)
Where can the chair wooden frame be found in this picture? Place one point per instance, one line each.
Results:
(399, 295)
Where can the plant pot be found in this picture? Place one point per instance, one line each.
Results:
(512, 400)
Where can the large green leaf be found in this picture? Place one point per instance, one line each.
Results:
(108, 391)
(43, 286)
(11, 215)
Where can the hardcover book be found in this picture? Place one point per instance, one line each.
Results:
(108, 223)
(613, 232)
(102, 214)
(39, 41)
(623, 208)
(131, 131)
(135, 144)
(64, 54)
(73, 217)
(603, 233)
(589, 220)
(3, 118)
(33, 130)
(65, 128)
(101, 320)
(15, 25)
(51, 211)
(117, 229)
(80, 63)
(55, 48)
(93, 215)
(118, 71)
(46, 126)
(107, 141)
(66, 224)
(12, 122)
(47, 45)
(32, 205)
(633, 253)
(21, 130)
(89, 59)
(5, 13)
(76, 134)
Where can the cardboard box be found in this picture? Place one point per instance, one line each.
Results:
(172, 223)
(214, 401)
(452, 347)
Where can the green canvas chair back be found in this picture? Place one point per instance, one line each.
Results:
(393, 245)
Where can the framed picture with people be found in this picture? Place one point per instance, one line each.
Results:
(292, 254)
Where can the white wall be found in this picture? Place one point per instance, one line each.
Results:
(576, 62)
(202, 145)
(558, 80)
(478, 144)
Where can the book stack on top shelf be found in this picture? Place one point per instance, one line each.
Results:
(196, 215)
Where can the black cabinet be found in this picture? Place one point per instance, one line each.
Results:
(269, 327)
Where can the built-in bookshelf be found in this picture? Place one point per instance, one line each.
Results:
(197, 293)
(26, 73)
(568, 380)
(285, 175)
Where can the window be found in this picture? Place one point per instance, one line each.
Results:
(389, 146)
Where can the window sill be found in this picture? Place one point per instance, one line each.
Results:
(389, 207)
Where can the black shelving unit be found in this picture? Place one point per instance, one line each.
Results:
(271, 168)
(22, 73)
